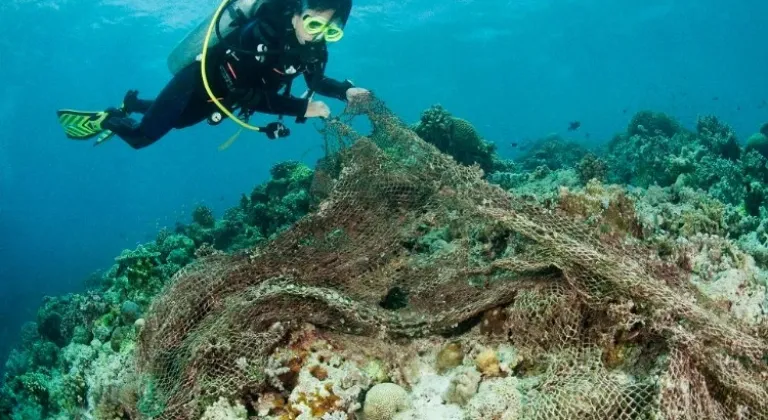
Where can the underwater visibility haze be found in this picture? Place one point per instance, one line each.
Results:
(641, 122)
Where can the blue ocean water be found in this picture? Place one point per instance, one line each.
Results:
(516, 69)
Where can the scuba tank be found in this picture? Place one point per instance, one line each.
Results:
(230, 15)
(188, 50)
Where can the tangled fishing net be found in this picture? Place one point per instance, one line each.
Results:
(616, 334)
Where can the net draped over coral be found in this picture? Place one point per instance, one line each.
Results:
(616, 334)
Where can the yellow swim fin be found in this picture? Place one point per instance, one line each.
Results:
(82, 125)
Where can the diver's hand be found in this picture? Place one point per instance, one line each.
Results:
(356, 94)
(317, 109)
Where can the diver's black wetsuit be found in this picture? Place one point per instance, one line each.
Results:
(237, 79)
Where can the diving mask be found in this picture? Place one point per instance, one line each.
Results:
(315, 26)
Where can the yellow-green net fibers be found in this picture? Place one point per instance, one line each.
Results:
(577, 385)
(407, 243)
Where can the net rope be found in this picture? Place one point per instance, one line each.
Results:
(577, 302)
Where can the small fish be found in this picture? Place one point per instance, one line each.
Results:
(574, 125)
(587, 136)
(519, 145)
(762, 104)
(738, 108)
(716, 98)
(624, 111)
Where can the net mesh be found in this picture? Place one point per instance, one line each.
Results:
(614, 334)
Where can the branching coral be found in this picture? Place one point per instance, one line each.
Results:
(709, 159)
(204, 217)
(58, 317)
(137, 275)
(69, 393)
(645, 159)
(649, 123)
(591, 167)
(718, 137)
(553, 152)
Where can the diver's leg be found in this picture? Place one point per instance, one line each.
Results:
(127, 129)
(161, 116)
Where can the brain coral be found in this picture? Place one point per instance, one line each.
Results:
(383, 401)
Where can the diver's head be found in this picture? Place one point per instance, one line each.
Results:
(321, 20)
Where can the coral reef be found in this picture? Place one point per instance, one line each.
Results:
(654, 150)
(591, 167)
(709, 159)
(450, 356)
(74, 359)
(456, 137)
(759, 143)
(552, 152)
(204, 217)
(496, 398)
(463, 387)
(401, 285)
(592, 312)
(385, 401)
(223, 410)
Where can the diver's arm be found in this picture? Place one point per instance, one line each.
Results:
(326, 86)
(278, 104)
(333, 88)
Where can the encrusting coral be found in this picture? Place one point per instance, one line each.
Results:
(450, 356)
(488, 363)
(463, 387)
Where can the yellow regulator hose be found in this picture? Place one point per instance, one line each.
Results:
(203, 65)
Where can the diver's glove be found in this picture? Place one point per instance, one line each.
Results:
(357, 94)
(317, 109)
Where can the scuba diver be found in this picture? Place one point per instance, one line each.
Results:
(260, 47)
